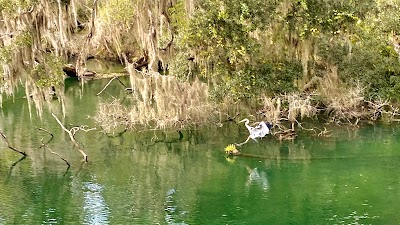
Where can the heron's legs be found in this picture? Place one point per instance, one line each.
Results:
(244, 142)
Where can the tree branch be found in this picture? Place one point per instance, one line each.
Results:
(11, 147)
(52, 136)
(71, 136)
(44, 145)
(109, 82)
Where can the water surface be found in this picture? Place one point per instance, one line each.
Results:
(152, 177)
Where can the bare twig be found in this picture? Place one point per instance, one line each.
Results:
(55, 153)
(71, 136)
(324, 133)
(44, 145)
(82, 128)
(11, 147)
(52, 136)
(122, 83)
(109, 82)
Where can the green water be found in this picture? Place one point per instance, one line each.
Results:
(351, 177)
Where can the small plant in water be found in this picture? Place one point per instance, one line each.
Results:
(231, 150)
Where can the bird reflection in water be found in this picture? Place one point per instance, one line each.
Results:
(257, 178)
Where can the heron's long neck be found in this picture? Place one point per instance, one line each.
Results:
(248, 126)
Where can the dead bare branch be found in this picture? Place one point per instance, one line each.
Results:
(52, 136)
(71, 136)
(109, 82)
(11, 147)
(44, 145)
(324, 133)
(57, 154)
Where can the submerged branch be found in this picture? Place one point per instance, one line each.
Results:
(71, 136)
(15, 163)
(11, 147)
(44, 145)
(52, 136)
(55, 153)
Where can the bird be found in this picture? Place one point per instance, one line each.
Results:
(259, 131)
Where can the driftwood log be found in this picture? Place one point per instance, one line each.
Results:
(71, 71)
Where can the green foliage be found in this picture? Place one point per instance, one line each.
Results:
(179, 21)
(219, 35)
(378, 70)
(11, 6)
(249, 47)
(313, 17)
(219, 32)
(179, 67)
(251, 82)
(5, 54)
(24, 39)
(49, 73)
(388, 16)
(365, 55)
(115, 12)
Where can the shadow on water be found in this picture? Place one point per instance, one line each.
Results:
(14, 164)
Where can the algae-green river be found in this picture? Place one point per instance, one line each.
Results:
(152, 177)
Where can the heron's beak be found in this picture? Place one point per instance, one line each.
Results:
(242, 120)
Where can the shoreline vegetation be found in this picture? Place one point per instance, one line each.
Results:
(198, 62)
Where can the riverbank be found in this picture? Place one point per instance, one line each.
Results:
(163, 102)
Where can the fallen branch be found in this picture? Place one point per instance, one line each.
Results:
(44, 145)
(71, 136)
(11, 147)
(109, 82)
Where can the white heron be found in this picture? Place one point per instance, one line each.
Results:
(258, 131)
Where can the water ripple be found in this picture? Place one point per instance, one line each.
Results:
(173, 214)
(352, 218)
(95, 207)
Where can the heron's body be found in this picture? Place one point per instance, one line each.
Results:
(259, 131)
